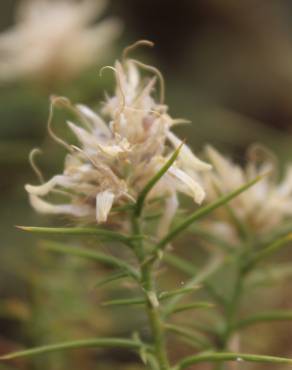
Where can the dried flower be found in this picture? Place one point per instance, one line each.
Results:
(120, 151)
(262, 207)
(54, 40)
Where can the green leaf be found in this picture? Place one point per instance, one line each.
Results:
(84, 343)
(200, 278)
(108, 279)
(91, 255)
(276, 315)
(180, 263)
(270, 249)
(269, 275)
(143, 194)
(202, 212)
(222, 356)
(197, 339)
(192, 306)
(103, 234)
(124, 302)
(162, 296)
(180, 291)
(198, 230)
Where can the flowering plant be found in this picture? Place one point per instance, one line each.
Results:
(121, 183)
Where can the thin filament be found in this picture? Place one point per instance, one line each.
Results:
(34, 166)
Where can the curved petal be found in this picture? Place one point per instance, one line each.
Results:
(186, 184)
(186, 156)
(43, 206)
(45, 188)
(168, 215)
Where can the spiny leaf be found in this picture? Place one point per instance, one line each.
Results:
(180, 291)
(269, 275)
(143, 194)
(222, 356)
(192, 306)
(91, 255)
(270, 249)
(180, 263)
(197, 279)
(103, 234)
(162, 296)
(197, 339)
(124, 302)
(202, 212)
(108, 279)
(84, 343)
(209, 237)
(276, 315)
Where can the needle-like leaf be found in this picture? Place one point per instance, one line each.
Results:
(270, 249)
(192, 306)
(112, 277)
(143, 194)
(197, 339)
(103, 234)
(202, 212)
(276, 315)
(162, 296)
(84, 343)
(124, 302)
(222, 356)
(91, 255)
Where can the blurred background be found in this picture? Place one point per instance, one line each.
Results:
(228, 68)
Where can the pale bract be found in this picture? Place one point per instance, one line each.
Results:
(119, 152)
(262, 207)
(55, 40)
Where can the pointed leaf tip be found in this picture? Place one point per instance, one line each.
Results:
(77, 344)
(143, 194)
(23, 228)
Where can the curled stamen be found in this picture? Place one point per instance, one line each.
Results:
(34, 166)
(158, 74)
(123, 103)
(57, 101)
(134, 46)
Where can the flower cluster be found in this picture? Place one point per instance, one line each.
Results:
(54, 39)
(120, 150)
(262, 207)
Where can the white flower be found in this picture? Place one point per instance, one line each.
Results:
(262, 207)
(55, 40)
(120, 151)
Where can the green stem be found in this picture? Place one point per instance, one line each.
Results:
(152, 303)
(231, 309)
(155, 318)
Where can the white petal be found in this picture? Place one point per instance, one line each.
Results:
(45, 188)
(187, 156)
(42, 206)
(104, 202)
(85, 138)
(95, 119)
(134, 75)
(168, 215)
(186, 184)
